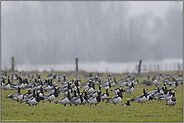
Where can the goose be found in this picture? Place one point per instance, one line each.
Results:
(41, 94)
(106, 81)
(86, 85)
(85, 97)
(34, 100)
(95, 94)
(115, 99)
(175, 84)
(95, 100)
(51, 96)
(129, 89)
(146, 81)
(142, 98)
(114, 82)
(107, 86)
(7, 86)
(136, 82)
(74, 94)
(92, 88)
(16, 96)
(28, 97)
(172, 101)
(77, 100)
(65, 100)
(167, 96)
(105, 95)
(27, 94)
(126, 104)
(117, 89)
(2, 82)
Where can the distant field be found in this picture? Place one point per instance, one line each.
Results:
(11, 111)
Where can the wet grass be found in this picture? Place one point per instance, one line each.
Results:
(50, 112)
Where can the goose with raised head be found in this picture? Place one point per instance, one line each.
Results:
(95, 100)
(105, 95)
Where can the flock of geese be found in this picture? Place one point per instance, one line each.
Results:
(87, 93)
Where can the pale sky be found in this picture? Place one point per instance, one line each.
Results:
(157, 7)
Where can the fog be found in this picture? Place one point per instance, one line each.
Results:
(58, 32)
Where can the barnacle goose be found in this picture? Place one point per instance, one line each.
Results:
(115, 99)
(127, 103)
(65, 100)
(95, 100)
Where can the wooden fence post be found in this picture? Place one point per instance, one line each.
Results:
(76, 60)
(139, 69)
(12, 69)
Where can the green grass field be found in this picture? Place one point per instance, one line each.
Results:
(11, 111)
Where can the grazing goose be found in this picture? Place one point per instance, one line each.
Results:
(51, 96)
(34, 100)
(126, 104)
(129, 89)
(115, 99)
(95, 100)
(65, 100)
(141, 98)
(105, 95)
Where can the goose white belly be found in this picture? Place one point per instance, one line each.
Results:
(78, 101)
(65, 101)
(170, 102)
(91, 90)
(93, 101)
(8, 87)
(84, 101)
(116, 100)
(143, 99)
(130, 90)
(51, 98)
(33, 101)
(85, 86)
(104, 97)
(20, 97)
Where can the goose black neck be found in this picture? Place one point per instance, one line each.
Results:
(37, 97)
(56, 92)
(34, 93)
(19, 89)
(68, 96)
(78, 91)
(107, 93)
(98, 98)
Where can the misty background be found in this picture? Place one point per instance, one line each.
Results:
(47, 33)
